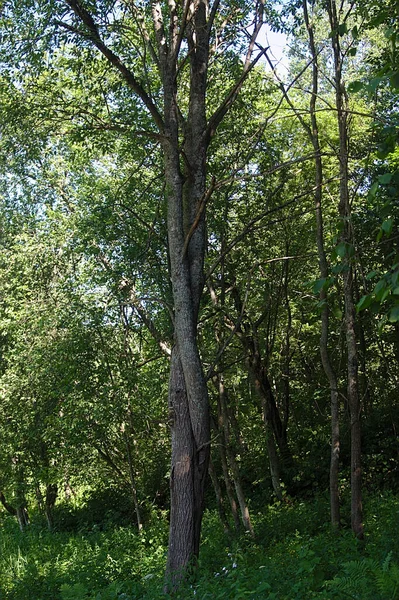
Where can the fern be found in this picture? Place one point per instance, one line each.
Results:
(357, 580)
(387, 579)
(368, 579)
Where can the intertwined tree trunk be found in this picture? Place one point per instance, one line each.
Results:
(188, 395)
(184, 140)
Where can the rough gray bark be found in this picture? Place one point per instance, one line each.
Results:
(184, 141)
(188, 394)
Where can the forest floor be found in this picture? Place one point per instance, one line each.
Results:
(294, 556)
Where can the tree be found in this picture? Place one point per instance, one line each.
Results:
(338, 21)
(168, 81)
(313, 134)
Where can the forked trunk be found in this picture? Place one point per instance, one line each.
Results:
(188, 394)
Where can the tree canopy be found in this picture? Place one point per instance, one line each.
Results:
(199, 266)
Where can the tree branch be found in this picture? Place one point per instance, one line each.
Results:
(227, 103)
(219, 114)
(94, 35)
(201, 207)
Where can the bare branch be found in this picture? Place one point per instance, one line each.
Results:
(212, 16)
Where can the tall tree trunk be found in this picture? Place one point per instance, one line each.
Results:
(219, 496)
(184, 516)
(225, 427)
(132, 478)
(227, 481)
(21, 510)
(188, 395)
(274, 463)
(50, 500)
(184, 143)
(271, 414)
(348, 279)
(313, 133)
(248, 335)
(20, 496)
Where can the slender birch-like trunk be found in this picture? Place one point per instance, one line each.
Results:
(313, 133)
(348, 278)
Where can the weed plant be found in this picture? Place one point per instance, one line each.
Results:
(294, 556)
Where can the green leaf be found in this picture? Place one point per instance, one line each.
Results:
(394, 277)
(322, 284)
(386, 210)
(387, 226)
(379, 286)
(386, 178)
(344, 249)
(355, 86)
(342, 29)
(341, 268)
(373, 191)
(371, 275)
(337, 312)
(341, 249)
(394, 80)
(352, 51)
(375, 307)
(374, 83)
(380, 289)
(393, 315)
(318, 285)
(364, 302)
(322, 303)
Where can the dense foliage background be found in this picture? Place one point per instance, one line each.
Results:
(87, 314)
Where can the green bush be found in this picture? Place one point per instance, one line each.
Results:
(294, 556)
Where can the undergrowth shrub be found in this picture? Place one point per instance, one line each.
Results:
(368, 579)
(294, 556)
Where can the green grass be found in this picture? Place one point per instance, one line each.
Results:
(294, 556)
